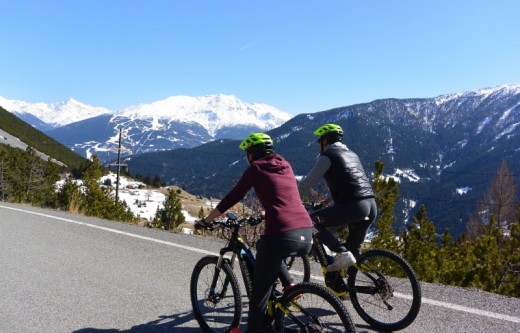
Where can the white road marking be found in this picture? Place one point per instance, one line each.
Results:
(194, 249)
(451, 306)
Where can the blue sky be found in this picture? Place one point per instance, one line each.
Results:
(299, 56)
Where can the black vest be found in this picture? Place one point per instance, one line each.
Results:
(346, 177)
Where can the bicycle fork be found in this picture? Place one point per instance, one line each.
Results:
(213, 295)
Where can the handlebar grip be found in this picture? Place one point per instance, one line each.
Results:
(208, 226)
(254, 221)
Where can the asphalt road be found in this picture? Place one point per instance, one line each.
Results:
(69, 273)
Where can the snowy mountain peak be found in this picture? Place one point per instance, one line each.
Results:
(54, 114)
(212, 112)
(513, 88)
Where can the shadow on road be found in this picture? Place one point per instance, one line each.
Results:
(166, 323)
(368, 329)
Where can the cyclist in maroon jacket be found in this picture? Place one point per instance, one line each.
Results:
(288, 227)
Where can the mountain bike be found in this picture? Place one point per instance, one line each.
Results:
(382, 286)
(217, 301)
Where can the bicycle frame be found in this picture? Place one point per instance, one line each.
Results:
(246, 261)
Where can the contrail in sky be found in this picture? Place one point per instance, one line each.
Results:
(251, 44)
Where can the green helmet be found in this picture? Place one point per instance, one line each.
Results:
(329, 128)
(257, 139)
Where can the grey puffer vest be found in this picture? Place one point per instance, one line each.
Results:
(346, 177)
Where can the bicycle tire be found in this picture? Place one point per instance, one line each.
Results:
(315, 307)
(394, 300)
(225, 311)
(299, 268)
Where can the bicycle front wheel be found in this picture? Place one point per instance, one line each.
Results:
(311, 307)
(216, 309)
(384, 290)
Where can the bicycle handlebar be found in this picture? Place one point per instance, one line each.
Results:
(231, 222)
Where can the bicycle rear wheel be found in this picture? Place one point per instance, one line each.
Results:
(310, 307)
(384, 290)
(220, 309)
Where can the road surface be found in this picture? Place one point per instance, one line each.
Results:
(61, 272)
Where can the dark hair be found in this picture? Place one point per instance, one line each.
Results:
(333, 137)
(259, 151)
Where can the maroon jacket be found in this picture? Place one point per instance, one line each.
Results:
(273, 179)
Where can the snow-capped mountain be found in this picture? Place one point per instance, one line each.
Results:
(213, 112)
(45, 116)
(175, 122)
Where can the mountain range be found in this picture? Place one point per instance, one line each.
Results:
(177, 121)
(444, 151)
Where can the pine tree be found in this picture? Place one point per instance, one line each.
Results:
(509, 282)
(95, 200)
(499, 201)
(420, 246)
(448, 255)
(156, 181)
(48, 184)
(387, 194)
(488, 258)
(170, 217)
(69, 196)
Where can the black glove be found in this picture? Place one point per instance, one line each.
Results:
(199, 224)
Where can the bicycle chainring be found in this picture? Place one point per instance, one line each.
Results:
(386, 291)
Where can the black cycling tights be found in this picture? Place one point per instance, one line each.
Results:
(357, 216)
(271, 251)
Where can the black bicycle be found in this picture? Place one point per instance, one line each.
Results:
(382, 286)
(217, 302)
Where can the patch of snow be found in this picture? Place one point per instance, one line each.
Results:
(463, 190)
(408, 174)
(508, 130)
(483, 124)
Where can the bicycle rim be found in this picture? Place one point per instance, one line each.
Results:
(218, 311)
(390, 301)
(310, 307)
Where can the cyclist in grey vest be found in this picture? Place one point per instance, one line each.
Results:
(354, 200)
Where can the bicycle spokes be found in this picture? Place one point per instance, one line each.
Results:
(384, 290)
